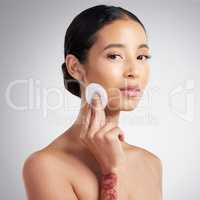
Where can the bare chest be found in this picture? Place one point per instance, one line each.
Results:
(142, 184)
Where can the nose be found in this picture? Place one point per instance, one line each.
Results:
(132, 72)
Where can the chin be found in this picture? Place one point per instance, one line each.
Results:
(129, 106)
(124, 104)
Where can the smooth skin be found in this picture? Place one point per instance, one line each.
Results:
(71, 166)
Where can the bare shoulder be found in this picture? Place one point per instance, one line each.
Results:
(45, 178)
(145, 153)
(147, 157)
(48, 161)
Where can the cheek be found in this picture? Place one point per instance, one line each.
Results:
(111, 78)
(145, 76)
(107, 76)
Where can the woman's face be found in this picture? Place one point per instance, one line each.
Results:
(121, 65)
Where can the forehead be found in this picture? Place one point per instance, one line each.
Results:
(128, 32)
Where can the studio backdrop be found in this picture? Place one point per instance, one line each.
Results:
(36, 108)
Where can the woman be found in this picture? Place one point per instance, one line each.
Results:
(106, 45)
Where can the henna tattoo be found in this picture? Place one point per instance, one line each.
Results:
(108, 183)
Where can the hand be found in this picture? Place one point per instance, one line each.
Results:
(102, 138)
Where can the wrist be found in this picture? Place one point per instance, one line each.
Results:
(118, 168)
(108, 186)
(113, 170)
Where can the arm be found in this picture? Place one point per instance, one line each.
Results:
(113, 185)
(103, 141)
(43, 180)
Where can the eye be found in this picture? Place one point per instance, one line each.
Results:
(146, 57)
(113, 56)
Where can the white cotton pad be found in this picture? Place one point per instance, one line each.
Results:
(93, 88)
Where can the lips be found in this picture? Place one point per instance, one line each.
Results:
(131, 93)
(131, 90)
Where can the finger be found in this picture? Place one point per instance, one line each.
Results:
(102, 111)
(96, 103)
(122, 137)
(96, 115)
(112, 134)
(84, 107)
(84, 110)
(107, 127)
(86, 121)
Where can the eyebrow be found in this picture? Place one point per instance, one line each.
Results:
(123, 46)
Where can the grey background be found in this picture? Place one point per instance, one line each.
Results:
(166, 121)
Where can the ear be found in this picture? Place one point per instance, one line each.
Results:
(74, 67)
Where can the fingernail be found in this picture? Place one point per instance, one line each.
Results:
(96, 96)
(122, 136)
(95, 99)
